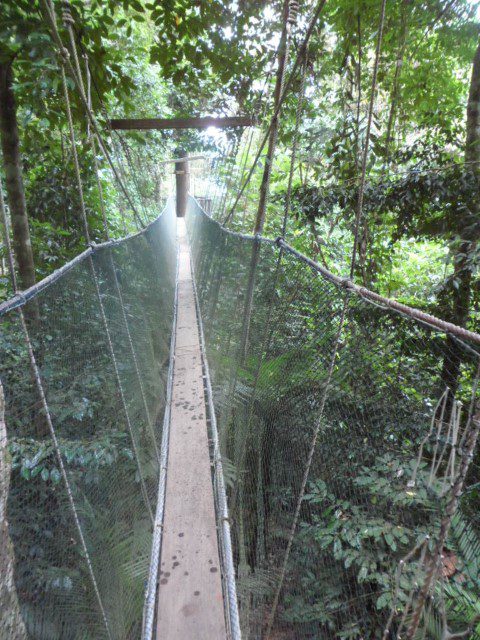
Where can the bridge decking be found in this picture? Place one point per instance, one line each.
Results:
(190, 602)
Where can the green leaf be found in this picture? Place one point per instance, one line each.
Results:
(25, 473)
(363, 573)
(383, 601)
(55, 475)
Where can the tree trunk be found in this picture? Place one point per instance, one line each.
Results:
(461, 288)
(13, 178)
(395, 93)
(11, 623)
(283, 50)
(472, 149)
(358, 76)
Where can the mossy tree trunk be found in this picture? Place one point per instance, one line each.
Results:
(464, 255)
(11, 623)
(13, 177)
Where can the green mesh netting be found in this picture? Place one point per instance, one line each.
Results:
(292, 356)
(52, 586)
(374, 491)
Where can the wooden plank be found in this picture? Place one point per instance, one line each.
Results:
(181, 123)
(190, 599)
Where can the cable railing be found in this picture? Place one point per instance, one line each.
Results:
(343, 429)
(348, 428)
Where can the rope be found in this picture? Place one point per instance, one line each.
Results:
(22, 297)
(229, 181)
(93, 82)
(283, 56)
(306, 473)
(350, 288)
(113, 133)
(217, 188)
(363, 174)
(89, 89)
(97, 287)
(348, 285)
(293, 157)
(68, 23)
(46, 411)
(49, 14)
(303, 47)
(376, 298)
(245, 336)
(246, 153)
(220, 490)
(370, 296)
(119, 151)
(118, 137)
(151, 589)
(76, 163)
(131, 165)
(260, 118)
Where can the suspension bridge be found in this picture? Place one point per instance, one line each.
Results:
(186, 525)
(207, 435)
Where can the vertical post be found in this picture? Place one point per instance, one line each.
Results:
(182, 178)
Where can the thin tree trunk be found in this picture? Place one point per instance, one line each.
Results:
(272, 140)
(358, 161)
(395, 93)
(472, 147)
(13, 178)
(367, 275)
(11, 623)
(359, 88)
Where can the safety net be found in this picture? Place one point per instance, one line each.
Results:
(82, 499)
(347, 429)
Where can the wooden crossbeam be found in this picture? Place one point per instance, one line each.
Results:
(181, 123)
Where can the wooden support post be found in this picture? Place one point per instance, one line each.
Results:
(182, 175)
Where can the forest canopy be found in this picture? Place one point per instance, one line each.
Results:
(183, 58)
(364, 155)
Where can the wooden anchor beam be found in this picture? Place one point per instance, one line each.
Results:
(181, 163)
(130, 124)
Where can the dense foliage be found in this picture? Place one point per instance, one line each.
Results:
(418, 241)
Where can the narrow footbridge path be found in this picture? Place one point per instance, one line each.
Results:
(190, 600)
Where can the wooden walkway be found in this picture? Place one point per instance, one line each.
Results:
(190, 601)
